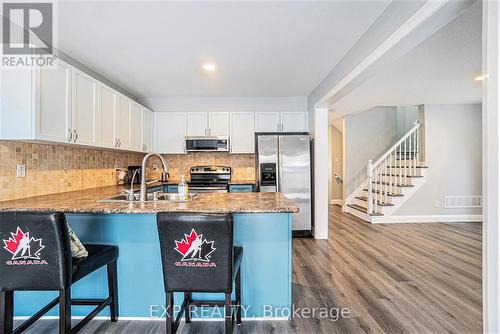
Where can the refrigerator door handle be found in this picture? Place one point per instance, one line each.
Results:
(279, 166)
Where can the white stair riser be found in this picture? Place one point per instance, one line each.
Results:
(395, 179)
(357, 213)
(363, 204)
(395, 190)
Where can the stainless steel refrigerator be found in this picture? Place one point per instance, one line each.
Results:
(283, 164)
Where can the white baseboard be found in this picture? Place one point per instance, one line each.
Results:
(337, 201)
(107, 318)
(428, 219)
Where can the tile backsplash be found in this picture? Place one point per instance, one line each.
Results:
(243, 165)
(53, 169)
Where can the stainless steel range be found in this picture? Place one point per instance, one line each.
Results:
(209, 179)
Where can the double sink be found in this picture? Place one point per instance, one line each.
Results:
(151, 197)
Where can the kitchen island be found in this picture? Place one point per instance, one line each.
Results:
(262, 226)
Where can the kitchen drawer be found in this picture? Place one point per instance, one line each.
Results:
(241, 188)
(171, 188)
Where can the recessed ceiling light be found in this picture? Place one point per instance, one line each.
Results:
(481, 77)
(209, 67)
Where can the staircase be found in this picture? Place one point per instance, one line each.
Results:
(391, 180)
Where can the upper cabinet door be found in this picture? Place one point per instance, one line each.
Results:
(242, 132)
(197, 124)
(106, 117)
(136, 127)
(123, 122)
(84, 108)
(170, 132)
(147, 130)
(52, 91)
(267, 122)
(294, 121)
(218, 124)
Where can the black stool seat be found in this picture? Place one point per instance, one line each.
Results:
(198, 255)
(99, 256)
(38, 244)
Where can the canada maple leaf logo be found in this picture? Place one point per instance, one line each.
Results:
(23, 246)
(194, 247)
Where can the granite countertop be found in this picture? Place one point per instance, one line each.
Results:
(84, 201)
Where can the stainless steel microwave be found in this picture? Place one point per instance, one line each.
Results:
(207, 144)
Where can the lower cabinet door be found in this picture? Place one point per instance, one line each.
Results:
(241, 188)
(171, 189)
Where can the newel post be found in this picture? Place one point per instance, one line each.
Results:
(369, 201)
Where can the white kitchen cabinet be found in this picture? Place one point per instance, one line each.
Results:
(123, 122)
(197, 124)
(285, 121)
(218, 124)
(52, 90)
(136, 127)
(242, 132)
(147, 130)
(84, 108)
(267, 121)
(66, 105)
(294, 121)
(106, 117)
(170, 132)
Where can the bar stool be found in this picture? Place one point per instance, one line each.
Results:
(36, 256)
(198, 256)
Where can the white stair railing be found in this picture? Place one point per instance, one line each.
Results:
(403, 158)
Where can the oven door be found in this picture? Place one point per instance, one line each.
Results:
(207, 144)
(207, 189)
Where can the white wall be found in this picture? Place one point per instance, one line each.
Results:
(321, 171)
(367, 135)
(491, 167)
(181, 104)
(337, 162)
(407, 115)
(453, 154)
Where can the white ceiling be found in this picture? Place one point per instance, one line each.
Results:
(441, 70)
(155, 49)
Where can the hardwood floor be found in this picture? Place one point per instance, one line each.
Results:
(397, 278)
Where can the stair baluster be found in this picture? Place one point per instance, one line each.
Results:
(415, 154)
(369, 201)
(400, 173)
(403, 156)
(390, 169)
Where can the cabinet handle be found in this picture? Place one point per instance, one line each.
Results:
(278, 126)
(119, 143)
(115, 142)
(76, 136)
(70, 135)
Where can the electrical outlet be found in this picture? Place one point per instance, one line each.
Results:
(20, 170)
(249, 170)
(116, 166)
(437, 204)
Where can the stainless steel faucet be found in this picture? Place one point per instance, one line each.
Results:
(131, 193)
(143, 194)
